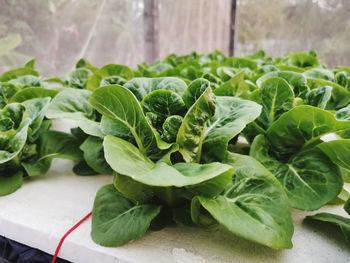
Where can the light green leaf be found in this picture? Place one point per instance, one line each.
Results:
(304, 60)
(191, 133)
(319, 73)
(36, 109)
(296, 80)
(254, 206)
(235, 87)
(90, 127)
(53, 144)
(277, 97)
(120, 104)
(194, 91)
(340, 96)
(309, 177)
(140, 87)
(343, 114)
(15, 73)
(338, 151)
(13, 138)
(302, 127)
(232, 115)
(171, 127)
(107, 71)
(163, 103)
(71, 104)
(33, 93)
(319, 97)
(117, 220)
(126, 159)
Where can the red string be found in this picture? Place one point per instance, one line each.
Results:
(66, 234)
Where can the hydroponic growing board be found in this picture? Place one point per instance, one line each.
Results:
(41, 211)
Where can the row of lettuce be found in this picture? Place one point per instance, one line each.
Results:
(194, 139)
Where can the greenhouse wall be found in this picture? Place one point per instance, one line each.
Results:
(59, 32)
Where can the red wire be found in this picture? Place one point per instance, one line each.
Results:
(66, 234)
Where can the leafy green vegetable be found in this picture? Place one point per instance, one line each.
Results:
(191, 132)
(116, 220)
(126, 159)
(252, 205)
(302, 127)
(94, 155)
(71, 104)
(232, 115)
(309, 178)
(140, 87)
(109, 74)
(121, 105)
(342, 222)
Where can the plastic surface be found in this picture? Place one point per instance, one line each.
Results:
(41, 211)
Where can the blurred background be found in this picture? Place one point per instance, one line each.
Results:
(59, 32)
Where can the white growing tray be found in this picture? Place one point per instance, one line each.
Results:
(45, 207)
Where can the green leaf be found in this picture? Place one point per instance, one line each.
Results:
(33, 93)
(90, 127)
(171, 127)
(27, 81)
(7, 91)
(296, 80)
(115, 127)
(117, 220)
(237, 62)
(235, 87)
(252, 205)
(302, 127)
(304, 60)
(309, 177)
(12, 141)
(132, 189)
(343, 114)
(71, 104)
(342, 222)
(338, 151)
(53, 144)
(191, 133)
(30, 64)
(319, 97)
(340, 96)
(140, 87)
(36, 109)
(111, 70)
(347, 206)
(194, 91)
(319, 73)
(277, 98)
(232, 115)
(163, 103)
(120, 104)
(341, 78)
(15, 73)
(10, 183)
(126, 159)
(78, 78)
(82, 168)
(92, 148)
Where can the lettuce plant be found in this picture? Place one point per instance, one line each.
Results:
(27, 144)
(155, 181)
